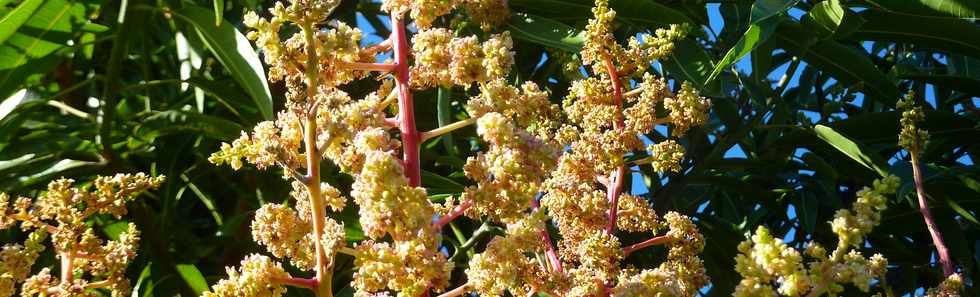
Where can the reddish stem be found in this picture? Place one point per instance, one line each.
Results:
(406, 110)
(937, 238)
(308, 283)
(652, 241)
(616, 188)
(548, 246)
(452, 215)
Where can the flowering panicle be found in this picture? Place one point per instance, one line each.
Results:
(765, 260)
(254, 277)
(61, 213)
(912, 138)
(444, 60)
(687, 110)
(504, 265)
(532, 148)
(410, 267)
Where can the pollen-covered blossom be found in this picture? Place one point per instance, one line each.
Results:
(851, 225)
(504, 265)
(444, 60)
(688, 109)
(271, 142)
(528, 106)
(409, 267)
(667, 156)
(487, 13)
(636, 215)
(253, 278)
(510, 173)
(764, 260)
(950, 287)
(62, 212)
(388, 205)
(16, 260)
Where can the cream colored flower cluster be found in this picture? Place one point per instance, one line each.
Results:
(566, 155)
(88, 262)
(486, 13)
(600, 44)
(765, 260)
(444, 60)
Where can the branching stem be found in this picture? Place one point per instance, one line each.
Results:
(452, 215)
(324, 273)
(445, 129)
(649, 242)
(309, 283)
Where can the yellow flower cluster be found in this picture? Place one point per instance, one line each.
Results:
(528, 106)
(564, 154)
(851, 225)
(388, 205)
(687, 110)
(765, 259)
(600, 44)
(410, 267)
(667, 156)
(444, 60)
(254, 278)
(487, 13)
(509, 174)
(504, 265)
(912, 138)
(61, 212)
(950, 287)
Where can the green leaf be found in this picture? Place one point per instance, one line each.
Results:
(830, 18)
(852, 149)
(437, 184)
(115, 229)
(7, 164)
(964, 9)
(764, 9)
(689, 62)
(546, 32)
(848, 64)
(762, 24)
(181, 121)
(952, 35)
(756, 34)
(46, 31)
(15, 18)
(234, 51)
(193, 278)
(219, 9)
(144, 276)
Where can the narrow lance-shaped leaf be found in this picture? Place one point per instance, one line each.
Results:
(545, 32)
(763, 23)
(952, 35)
(964, 9)
(851, 148)
(234, 51)
(13, 20)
